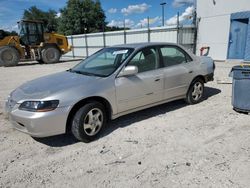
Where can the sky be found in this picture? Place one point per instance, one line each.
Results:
(133, 12)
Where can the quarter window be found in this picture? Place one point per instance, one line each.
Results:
(146, 60)
(173, 56)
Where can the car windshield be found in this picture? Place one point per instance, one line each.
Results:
(103, 63)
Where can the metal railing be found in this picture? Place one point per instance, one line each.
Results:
(86, 44)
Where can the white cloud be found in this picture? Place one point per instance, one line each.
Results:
(144, 22)
(115, 23)
(58, 15)
(112, 10)
(139, 8)
(10, 27)
(129, 23)
(15, 27)
(179, 3)
(184, 16)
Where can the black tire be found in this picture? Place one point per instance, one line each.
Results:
(83, 127)
(40, 61)
(50, 54)
(9, 56)
(195, 92)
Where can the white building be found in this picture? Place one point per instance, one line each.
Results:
(224, 26)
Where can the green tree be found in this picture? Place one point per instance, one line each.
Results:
(8, 33)
(48, 17)
(12, 33)
(82, 16)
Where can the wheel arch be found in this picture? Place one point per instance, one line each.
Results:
(81, 103)
(199, 77)
(45, 45)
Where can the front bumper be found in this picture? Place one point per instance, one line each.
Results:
(38, 124)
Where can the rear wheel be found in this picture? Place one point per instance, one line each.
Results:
(40, 61)
(9, 56)
(195, 92)
(50, 54)
(88, 122)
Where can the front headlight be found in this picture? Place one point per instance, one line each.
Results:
(39, 106)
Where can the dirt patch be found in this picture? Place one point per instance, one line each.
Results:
(171, 145)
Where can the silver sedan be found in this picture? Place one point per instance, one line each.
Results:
(112, 82)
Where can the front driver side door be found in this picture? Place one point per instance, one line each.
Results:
(146, 87)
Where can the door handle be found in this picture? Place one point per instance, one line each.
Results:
(190, 71)
(157, 79)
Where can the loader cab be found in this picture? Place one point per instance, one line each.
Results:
(31, 32)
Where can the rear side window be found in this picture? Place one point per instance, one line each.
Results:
(173, 56)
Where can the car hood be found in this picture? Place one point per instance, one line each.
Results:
(48, 85)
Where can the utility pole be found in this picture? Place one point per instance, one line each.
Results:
(84, 25)
(163, 5)
(148, 31)
(178, 27)
(148, 22)
(125, 37)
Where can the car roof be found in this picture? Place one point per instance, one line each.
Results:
(143, 44)
(138, 46)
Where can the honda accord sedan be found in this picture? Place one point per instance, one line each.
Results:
(112, 82)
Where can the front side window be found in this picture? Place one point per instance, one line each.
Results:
(173, 56)
(104, 62)
(145, 60)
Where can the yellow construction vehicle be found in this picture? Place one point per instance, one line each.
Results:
(33, 43)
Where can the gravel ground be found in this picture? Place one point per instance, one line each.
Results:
(171, 145)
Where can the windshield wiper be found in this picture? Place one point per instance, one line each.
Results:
(84, 73)
(75, 71)
(69, 70)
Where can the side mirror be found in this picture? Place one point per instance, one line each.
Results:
(128, 71)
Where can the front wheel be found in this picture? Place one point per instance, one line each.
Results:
(9, 56)
(195, 92)
(88, 122)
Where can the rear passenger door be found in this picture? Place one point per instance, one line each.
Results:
(177, 71)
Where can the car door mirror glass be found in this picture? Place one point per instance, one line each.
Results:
(128, 71)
